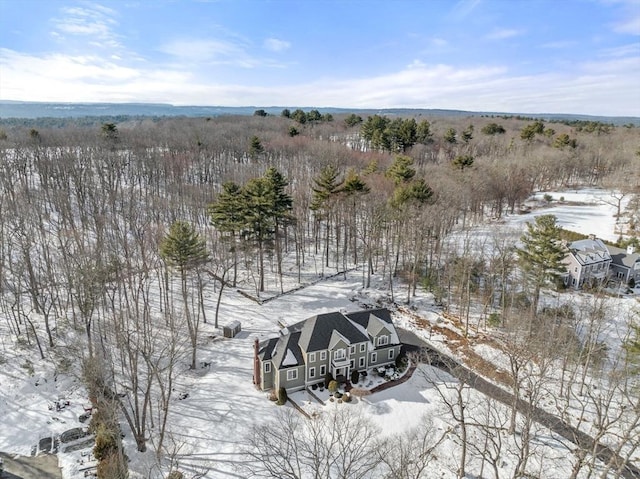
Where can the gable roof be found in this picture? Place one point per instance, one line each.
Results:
(287, 351)
(621, 257)
(317, 331)
(589, 251)
(323, 332)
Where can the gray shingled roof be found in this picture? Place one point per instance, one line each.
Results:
(316, 333)
(589, 251)
(283, 344)
(362, 317)
(620, 257)
(266, 349)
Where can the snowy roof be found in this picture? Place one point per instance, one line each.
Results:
(589, 251)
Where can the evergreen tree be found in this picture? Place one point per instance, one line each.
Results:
(401, 171)
(541, 255)
(463, 161)
(325, 186)
(255, 147)
(281, 203)
(352, 120)
(184, 249)
(423, 132)
(227, 214)
(259, 217)
(450, 136)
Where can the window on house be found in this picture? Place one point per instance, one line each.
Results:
(352, 349)
(391, 351)
(575, 269)
(323, 370)
(323, 355)
(267, 367)
(374, 357)
(363, 346)
(312, 373)
(292, 374)
(383, 340)
(361, 362)
(312, 357)
(339, 354)
(352, 363)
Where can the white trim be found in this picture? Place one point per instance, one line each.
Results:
(383, 340)
(341, 356)
(361, 362)
(312, 357)
(267, 368)
(363, 347)
(391, 353)
(312, 373)
(323, 355)
(323, 370)
(292, 374)
(374, 357)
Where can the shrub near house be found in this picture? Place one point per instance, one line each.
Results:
(331, 343)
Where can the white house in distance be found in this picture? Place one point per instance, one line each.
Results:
(587, 262)
(334, 343)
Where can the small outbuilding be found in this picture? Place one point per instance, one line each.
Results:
(231, 329)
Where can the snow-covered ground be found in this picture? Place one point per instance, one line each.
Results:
(220, 405)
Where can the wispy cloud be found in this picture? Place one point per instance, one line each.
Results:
(276, 45)
(503, 33)
(560, 44)
(463, 8)
(57, 77)
(629, 25)
(92, 20)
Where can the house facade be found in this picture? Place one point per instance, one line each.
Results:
(625, 264)
(587, 262)
(331, 343)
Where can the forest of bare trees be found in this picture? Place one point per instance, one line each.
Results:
(113, 231)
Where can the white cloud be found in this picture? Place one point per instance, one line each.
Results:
(203, 50)
(276, 45)
(94, 21)
(603, 87)
(629, 25)
(503, 33)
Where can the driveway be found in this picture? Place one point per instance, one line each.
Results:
(44, 466)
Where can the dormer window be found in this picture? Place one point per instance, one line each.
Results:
(383, 340)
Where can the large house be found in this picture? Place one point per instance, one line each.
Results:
(625, 264)
(587, 262)
(332, 343)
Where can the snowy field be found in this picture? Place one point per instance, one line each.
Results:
(220, 405)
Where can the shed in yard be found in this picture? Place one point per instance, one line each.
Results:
(231, 329)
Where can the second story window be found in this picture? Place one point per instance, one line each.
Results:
(339, 354)
(383, 340)
(312, 357)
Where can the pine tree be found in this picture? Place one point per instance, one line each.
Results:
(184, 249)
(227, 214)
(259, 218)
(401, 171)
(541, 255)
(326, 189)
(281, 208)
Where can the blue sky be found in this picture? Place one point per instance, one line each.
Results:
(532, 56)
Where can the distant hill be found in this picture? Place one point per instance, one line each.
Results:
(31, 110)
